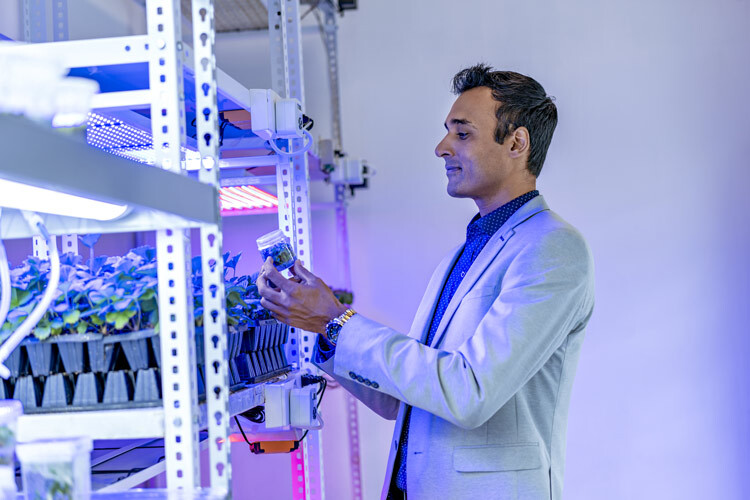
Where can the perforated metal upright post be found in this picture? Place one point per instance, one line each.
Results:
(35, 31)
(330, 37)
(294, 216)
(35, 21)
(59, 20)
(176, 325)
(214, 312)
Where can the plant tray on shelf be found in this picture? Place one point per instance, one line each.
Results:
(98, 347)
(91, 371)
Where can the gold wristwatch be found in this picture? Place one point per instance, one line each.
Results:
(334, 326)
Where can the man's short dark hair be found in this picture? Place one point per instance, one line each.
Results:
(523, 103)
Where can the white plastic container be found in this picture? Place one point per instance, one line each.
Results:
(10, 410)
(58, 469)
(277, 246)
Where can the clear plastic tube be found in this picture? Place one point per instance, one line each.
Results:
(49, 294)
(5, 291)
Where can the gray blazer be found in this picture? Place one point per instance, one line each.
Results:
(491, 393)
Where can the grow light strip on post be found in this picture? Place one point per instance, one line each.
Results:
(214, 312)
(176, 325)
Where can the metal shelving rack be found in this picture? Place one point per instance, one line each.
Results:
(169, 202)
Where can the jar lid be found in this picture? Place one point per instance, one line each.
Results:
(10, 409)
(271, 238)
(53, 450)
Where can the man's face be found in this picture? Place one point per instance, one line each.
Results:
(476, 165)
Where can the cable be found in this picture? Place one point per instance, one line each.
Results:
(315, 6)
(5, 287)
(49, 294)
(237, 420)
(303, 150)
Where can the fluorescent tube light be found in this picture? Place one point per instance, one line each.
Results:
(36, 199)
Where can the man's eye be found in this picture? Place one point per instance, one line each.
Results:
(462, 135)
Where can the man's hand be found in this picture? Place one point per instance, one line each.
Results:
(303, 302)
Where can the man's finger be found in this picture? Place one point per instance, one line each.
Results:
(266, 291)
(301, 272)
(278, 312)
(270, 273)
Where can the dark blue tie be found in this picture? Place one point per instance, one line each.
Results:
(478, 234)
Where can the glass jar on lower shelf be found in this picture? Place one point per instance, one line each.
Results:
(56, 468)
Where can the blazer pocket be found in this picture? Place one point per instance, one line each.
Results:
(496, 458)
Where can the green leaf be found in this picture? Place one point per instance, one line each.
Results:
(71, 317)
(82, 327)
(120, 318)
(42, 331)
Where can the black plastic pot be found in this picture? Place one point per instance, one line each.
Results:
(6, 389)
(245, 368)
(18, 362)
(71, 354)
(58, 391)
(199, 346)
(147, 386)
(156, 348)
(28, 391)
(89, 389)
(100, 354)
(118, 387)
(40, 357)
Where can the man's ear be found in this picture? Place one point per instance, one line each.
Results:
(519, 142)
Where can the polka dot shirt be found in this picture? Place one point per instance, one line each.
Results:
(478, 233)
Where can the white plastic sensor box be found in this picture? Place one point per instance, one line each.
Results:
(303, 408)
(273, 117)
(263, 112)
(348, 171)
(289, 120)
(277, 404)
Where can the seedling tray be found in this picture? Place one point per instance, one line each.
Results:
(93, 371)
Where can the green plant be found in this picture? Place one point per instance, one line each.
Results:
(116, 294)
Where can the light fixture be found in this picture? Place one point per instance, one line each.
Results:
(36, 199)
(243, 198)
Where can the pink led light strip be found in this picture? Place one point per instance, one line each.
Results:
(234, 199)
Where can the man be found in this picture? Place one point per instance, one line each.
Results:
(480, 386)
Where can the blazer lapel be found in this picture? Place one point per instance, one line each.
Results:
(423, 318)
(485, 257)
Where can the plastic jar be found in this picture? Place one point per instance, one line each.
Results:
(277, 246)
(56, 468)
(10, 410)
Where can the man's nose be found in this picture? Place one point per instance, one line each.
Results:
(443, 148)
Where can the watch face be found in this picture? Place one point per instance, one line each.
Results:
(332, 331)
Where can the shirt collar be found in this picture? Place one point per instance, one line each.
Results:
(490, 223)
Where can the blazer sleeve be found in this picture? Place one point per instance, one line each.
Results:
(546, 293)
(384, 405)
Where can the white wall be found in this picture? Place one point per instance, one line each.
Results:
(649, 161)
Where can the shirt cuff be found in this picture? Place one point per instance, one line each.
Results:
(324, 350)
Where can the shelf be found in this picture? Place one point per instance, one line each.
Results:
(152, 494)
(45, 157)
(119, 424)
